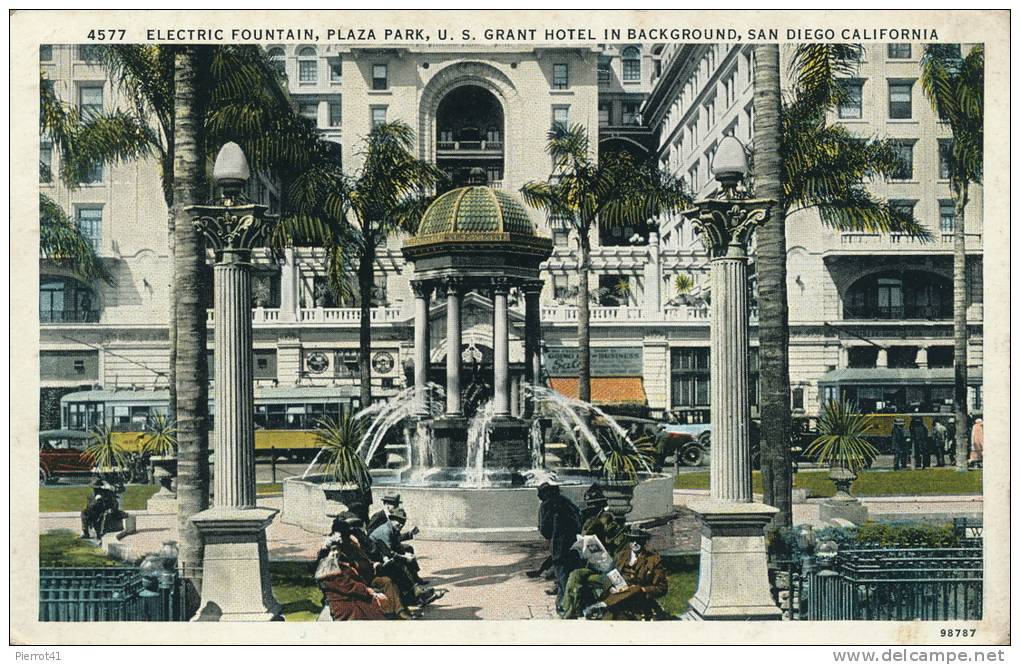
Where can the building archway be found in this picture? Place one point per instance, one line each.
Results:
(899, 294)
(469, 134)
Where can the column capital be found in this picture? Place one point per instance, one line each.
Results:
(422, 288)
(532, 287)
(452, 286)
(231, 230)
(500, 285)
(725, 225)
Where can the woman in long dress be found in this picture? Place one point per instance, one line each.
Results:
(349, 585)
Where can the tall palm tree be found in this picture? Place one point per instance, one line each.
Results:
(804, 162)
(191, 69)
(586, 192)
(351, 215)
(955, 87)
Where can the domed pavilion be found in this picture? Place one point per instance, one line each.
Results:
(475, 238)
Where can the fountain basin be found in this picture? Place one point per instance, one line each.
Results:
(447, 510)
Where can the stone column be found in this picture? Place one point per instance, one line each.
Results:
(844, 357)
(922, 357)
(733, 582)
(454, 292)
(515, 395)
(235, 577)
(532, 331)
(653, 278)
(289, 286)
(501, 347)
(882, 360)
(422, 290)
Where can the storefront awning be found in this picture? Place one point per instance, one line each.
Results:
(896, 376)
(606, 389)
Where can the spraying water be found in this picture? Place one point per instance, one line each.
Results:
(478, 443)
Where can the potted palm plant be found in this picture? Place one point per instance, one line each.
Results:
(843, 446)
(160, 444)
(107, 456)
(619, 467)
(347, 480)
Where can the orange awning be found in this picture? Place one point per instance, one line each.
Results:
(606, 389)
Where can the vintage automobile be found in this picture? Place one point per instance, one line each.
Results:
(60, 454)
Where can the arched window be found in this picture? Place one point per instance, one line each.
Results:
(631, 63)
(308, 65)
(66, 300)
(276, 59)
(899, 295)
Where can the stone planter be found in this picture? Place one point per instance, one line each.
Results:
(341, 496)
(164, 474)
(843, 505)
(619, 495)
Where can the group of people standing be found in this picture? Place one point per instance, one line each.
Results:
(368, 572)
(623, 585)
(940, 442)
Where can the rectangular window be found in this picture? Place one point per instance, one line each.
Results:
(309, 110)
(603, 115)
(93, 176)
(561, 237)
(561, 287)
(561, 116)
(945, 153)
(87, 52)
(308, 70)
(797, 399)
(334, 114)
(903, 207)
(605, 70)
(90, 222)
(901, 100)
(335, 71)
(851, 106)
(632, 69)
(560, 76)
(690, 377)
(899, 51)
(692, 177)
(630, 114)
(947, 216)
(46, 53)
(45, 161)
(905, 154)
(378, 116)
(380, 76)
(90, 100)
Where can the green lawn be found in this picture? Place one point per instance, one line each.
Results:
(65, 549)
(911, 482)
(73, 498)
(294, 586)
(682, 585)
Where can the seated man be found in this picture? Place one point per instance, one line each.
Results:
(646, 581)
(588, 583)
(102, 509)
(399, 562)
(390, 502)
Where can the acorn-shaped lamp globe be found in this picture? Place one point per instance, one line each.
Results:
(231, 170)
(729, 166)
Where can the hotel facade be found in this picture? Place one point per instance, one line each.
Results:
(879, 305)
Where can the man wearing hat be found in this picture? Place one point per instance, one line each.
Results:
(390, 501)
(900, 446)
(586, 584)
(645, 575)
(101, 508)
(559, 522)
(399, 562)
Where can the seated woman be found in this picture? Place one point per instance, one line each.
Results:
(348, 580)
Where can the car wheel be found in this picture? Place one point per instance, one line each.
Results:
(705, 439)
(44, 478)
(693, 456)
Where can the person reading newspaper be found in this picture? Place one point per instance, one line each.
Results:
(636, 580)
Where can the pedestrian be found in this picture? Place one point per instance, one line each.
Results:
(977, 444)
(399, 563)
(559, 522)
(940, 441)
(901, 449)
(919, 438)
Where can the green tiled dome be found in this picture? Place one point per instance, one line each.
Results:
(473, 210)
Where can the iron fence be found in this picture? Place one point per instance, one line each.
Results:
(896, 584)
(108, 594)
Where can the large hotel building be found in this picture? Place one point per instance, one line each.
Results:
(870, 315)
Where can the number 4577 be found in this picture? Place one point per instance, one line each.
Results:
(107, 35)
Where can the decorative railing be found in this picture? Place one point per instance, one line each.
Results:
(474, 146)
(107, 594)
(901, 240)
(348, 315)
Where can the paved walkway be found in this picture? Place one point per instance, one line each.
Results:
(487, 580)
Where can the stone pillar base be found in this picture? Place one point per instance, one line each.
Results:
(733, 583)
(235, 568)
(508, 443)
(851, 511)
(449, 441)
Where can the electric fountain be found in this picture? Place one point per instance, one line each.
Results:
(470, 471)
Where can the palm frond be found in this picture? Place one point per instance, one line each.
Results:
(61, 241)
(339, 440)
(842, 437)
(102, 450)
(160, 436)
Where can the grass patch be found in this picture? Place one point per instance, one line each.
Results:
(65, 549)
(911, 482)
(294, 586)
(74, 498)
(682, 585)
(269, 488)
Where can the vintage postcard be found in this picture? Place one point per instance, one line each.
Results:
(584, 327)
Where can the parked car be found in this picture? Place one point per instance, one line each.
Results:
(690, 447)
(60, 454)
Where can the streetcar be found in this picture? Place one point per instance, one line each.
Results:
(285, 418)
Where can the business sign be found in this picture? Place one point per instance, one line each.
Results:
(562, 361)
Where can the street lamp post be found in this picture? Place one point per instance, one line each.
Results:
(733, 583)
(235, 566)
